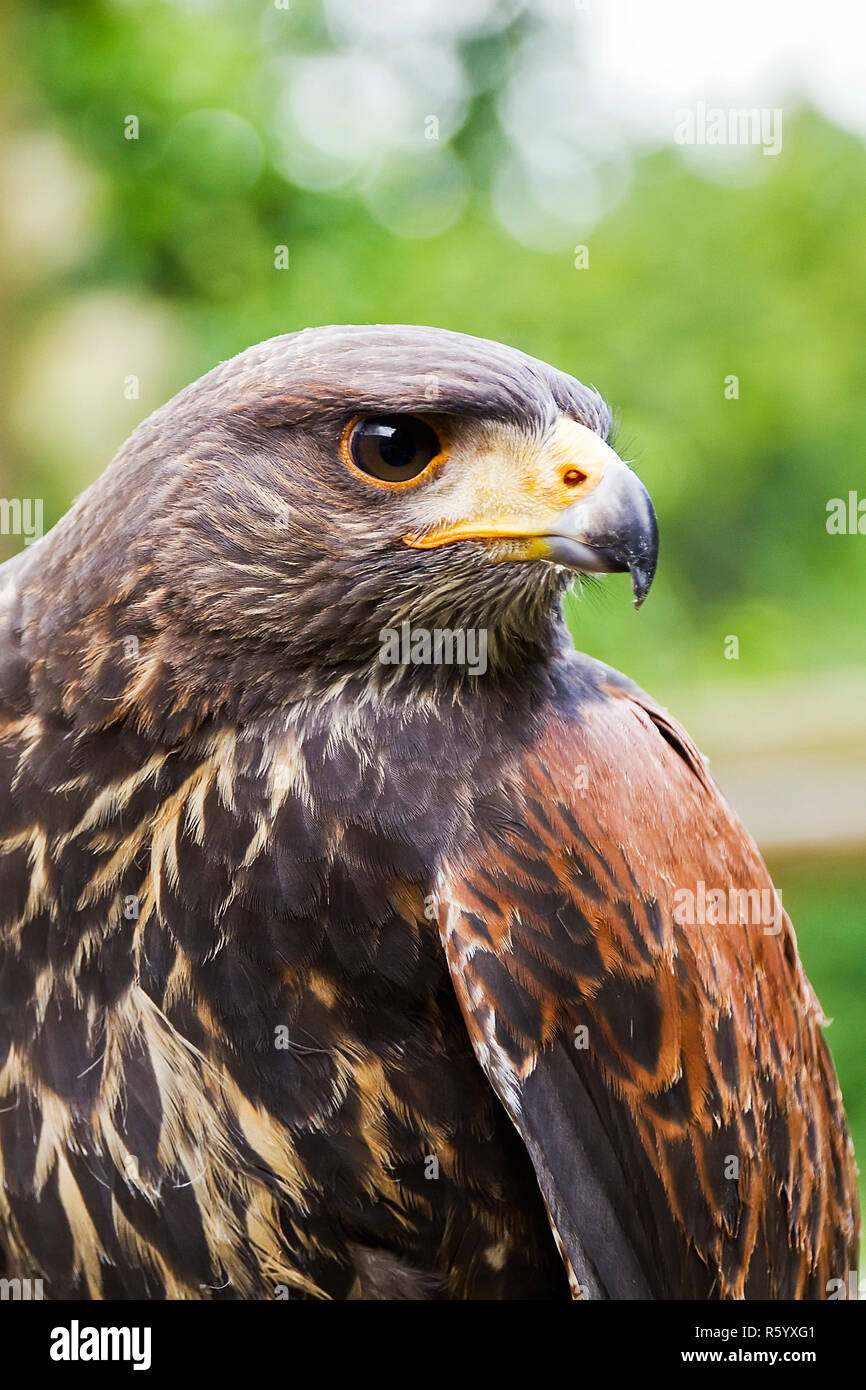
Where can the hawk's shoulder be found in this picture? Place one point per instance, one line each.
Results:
(632, 988)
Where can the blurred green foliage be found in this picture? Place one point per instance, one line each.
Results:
(690, 281)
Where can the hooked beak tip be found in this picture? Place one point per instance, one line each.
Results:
(642, 572)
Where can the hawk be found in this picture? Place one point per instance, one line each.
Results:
(331, 976)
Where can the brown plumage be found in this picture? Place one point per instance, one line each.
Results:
(323, 977)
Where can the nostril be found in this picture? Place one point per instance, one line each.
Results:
(573, 477)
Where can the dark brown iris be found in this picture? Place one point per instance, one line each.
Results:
(393, 448)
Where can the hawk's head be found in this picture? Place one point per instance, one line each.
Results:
(275, 517)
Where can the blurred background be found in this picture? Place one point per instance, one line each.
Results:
(179, 180)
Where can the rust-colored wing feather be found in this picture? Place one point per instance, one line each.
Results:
(670, 1081)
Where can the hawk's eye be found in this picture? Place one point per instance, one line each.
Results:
(393, 448)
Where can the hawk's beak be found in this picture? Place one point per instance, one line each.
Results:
(610, 531)
(573, 502)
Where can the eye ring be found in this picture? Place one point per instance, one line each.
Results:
(395, 451)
